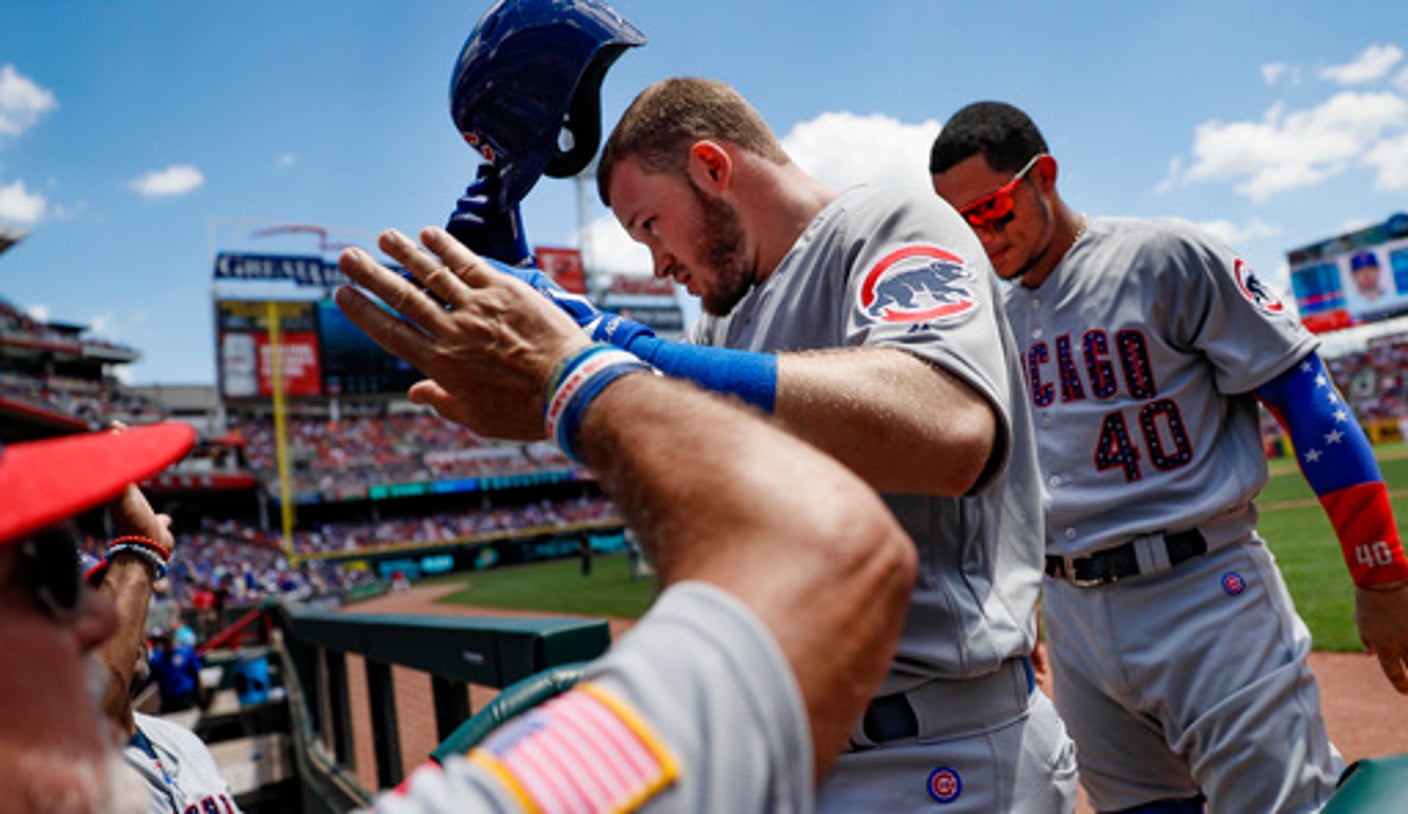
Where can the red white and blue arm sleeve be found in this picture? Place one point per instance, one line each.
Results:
(1337, 461)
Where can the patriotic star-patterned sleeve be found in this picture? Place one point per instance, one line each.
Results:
(1338, 463)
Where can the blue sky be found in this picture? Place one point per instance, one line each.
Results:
(137, 139)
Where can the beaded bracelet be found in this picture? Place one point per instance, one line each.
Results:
(153, 552)
(146, 542)
(577, 381)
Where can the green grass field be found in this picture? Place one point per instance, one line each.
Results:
(1291, 521)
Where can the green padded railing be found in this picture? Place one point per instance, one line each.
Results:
(454, 650)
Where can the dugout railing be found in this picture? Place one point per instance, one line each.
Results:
(313, 647)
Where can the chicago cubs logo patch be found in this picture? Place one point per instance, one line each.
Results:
(1257, 292)
(1233, 583)
(945, 785)
(585, 750)
(918, 283)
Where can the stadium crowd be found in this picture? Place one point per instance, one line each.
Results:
(447, 527)
(1373, 380)
(338, 459)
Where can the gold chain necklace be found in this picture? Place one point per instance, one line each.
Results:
(1080, 233)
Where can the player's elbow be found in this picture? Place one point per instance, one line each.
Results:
(949, 453)
(969, 445)
(870, 552)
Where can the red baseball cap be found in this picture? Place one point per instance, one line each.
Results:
(42, 482)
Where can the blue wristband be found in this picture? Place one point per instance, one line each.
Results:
(749, 375)
(576, 382)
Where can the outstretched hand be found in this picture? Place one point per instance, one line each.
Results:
(489, 345)
(1382, 616)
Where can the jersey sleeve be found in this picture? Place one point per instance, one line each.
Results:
(920, 281)
(1239, 321)
(695, 709)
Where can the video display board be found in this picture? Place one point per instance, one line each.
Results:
(1354, 278)
(245, 351)
(322, 352)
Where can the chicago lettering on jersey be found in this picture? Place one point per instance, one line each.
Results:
(1068, 369)
(216, 804)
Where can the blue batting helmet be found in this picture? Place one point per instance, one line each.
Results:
(530, 70)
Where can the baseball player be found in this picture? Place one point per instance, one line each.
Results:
(738, 688)
(175, 766)
(55, 753)
(1178, 660)
(866, 323)
(924, 404)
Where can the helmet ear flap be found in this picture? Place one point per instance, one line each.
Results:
(526, 89)
(582, 122)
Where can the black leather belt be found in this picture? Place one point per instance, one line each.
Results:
(891, 717)
(1112, 564)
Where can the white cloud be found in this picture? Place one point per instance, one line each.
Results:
(1374, 63)
(1234, 235)
(20, 205)
(285, 160)
(1280, 72)
(1390, 158)
(39, 312)
(842, 149)
(69, 211)
(22, 102)
(1289, 150)
(1175, 169)
(177, 179)
(607, 248)
(1401, 80)
(104, 325)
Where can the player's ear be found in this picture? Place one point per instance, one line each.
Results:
(1044, 172)
(710, 165)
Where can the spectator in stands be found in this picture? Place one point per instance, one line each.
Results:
(203, 602)
(176, 669)
(54, 750)
(742, 551)
(177, 768)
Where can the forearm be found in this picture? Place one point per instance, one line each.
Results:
(128, 582)
(1337, 461)
(904, 425)
(717, 495)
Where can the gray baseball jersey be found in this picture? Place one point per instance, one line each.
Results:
(897, 269)
(1141, 350)
(890, 268)
(182, 777)
(694, 710)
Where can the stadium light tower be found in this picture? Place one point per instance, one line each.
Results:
(9, 237)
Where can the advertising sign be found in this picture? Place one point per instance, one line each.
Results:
(564, 266)
(1353, 279)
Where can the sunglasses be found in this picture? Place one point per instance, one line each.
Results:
(994, 210)
(49, 565)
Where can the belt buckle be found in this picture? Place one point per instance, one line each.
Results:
(1068, 564)
(1092, 583)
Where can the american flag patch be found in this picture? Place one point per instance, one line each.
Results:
(584, 752)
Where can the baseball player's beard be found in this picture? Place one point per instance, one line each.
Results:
(1034, 259)
(721, 245)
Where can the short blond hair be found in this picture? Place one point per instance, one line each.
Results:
(670, 115)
